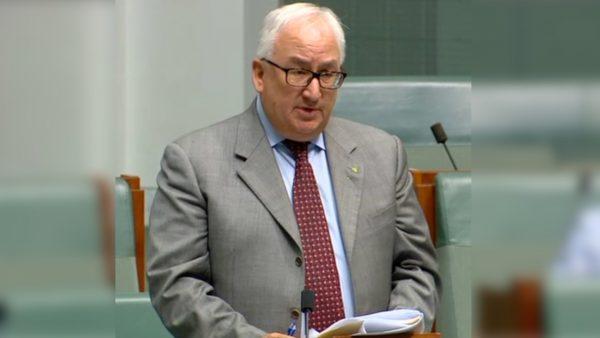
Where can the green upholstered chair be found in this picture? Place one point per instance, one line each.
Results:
(407, 107)
(54, 281)
(125, 268)
(51, 231)
(67, 313)
(53, 218)
(453, 214)
(522, 221)
(135, 317)
(571, 308)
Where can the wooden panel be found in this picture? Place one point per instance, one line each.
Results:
(133, 181)
(424, 176)
(424, 184)
(528, 299)
(140, 240)
(137, 198)
(515, 311)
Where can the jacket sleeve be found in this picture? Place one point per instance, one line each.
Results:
(415, 279)
(179, 271)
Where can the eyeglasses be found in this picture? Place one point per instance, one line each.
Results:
(298, 77)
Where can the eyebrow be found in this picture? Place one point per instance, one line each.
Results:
(304, 63)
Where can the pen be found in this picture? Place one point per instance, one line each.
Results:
(292, 329)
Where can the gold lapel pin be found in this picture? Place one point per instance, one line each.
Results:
(355, 169)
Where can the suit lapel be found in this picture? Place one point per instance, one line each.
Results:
(347, 172)
(261, 173)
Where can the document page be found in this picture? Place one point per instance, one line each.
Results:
(395, 321)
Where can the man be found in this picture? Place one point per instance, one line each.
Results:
(253, 209)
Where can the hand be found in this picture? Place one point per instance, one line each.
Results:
(277, 335)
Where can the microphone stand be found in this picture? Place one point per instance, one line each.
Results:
(450, 156)
(307, 304)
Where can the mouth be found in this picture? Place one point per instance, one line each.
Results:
(308, 110)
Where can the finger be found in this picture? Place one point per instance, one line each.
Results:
(277, 335)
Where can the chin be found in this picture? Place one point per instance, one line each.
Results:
(306, 134)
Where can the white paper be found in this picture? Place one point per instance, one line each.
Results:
(395, 321)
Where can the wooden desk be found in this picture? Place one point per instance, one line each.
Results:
(405, 335)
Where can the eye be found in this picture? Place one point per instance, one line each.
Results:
(298, 72)
(330, 77)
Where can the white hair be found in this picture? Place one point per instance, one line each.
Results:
(278, 18)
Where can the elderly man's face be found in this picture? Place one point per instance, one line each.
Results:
(297, 113)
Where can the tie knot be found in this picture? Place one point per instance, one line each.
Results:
(299, 149)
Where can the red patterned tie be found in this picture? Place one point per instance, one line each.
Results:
(321, 272)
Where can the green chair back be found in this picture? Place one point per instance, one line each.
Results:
(453, 214)
(125, 267)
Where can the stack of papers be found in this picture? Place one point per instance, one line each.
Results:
(381, 323)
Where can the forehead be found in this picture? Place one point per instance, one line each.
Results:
(311, 39)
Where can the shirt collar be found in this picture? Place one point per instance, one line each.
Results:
(273, 136)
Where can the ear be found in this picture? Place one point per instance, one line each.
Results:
(258, 73)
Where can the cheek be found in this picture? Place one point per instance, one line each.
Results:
(283, 101)
(287, 98)
(329, 101)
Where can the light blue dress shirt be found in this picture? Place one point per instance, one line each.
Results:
(581, 256)
(317, 156)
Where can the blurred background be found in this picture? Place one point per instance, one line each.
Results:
(91, 90)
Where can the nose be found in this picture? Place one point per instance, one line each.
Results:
(312, 92)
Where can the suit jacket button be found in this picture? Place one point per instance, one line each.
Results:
(298, 261)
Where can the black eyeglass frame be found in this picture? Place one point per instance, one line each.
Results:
(314, 75)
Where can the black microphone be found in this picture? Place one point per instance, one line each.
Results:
(441, 137)
(307, 300)
(307, 305)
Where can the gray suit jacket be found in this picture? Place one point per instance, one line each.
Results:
(225, 257)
